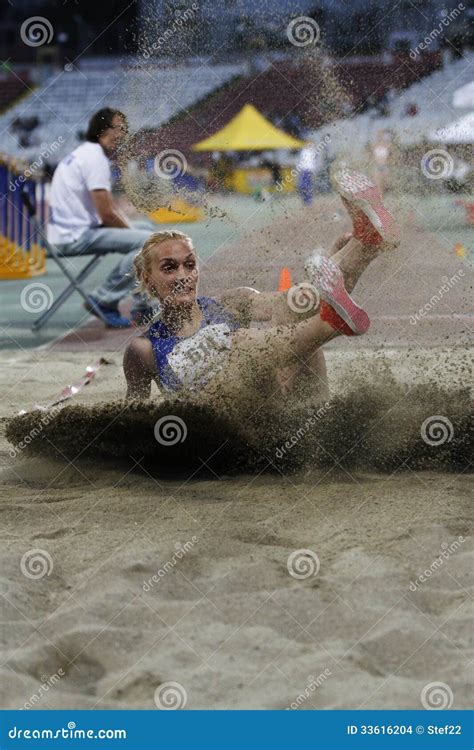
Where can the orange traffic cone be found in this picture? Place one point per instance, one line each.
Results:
(460, 250)
(285, 282)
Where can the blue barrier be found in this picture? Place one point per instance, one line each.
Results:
(21, 252)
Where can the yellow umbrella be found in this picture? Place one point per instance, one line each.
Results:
(248, 131)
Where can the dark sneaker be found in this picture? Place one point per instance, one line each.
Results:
(110, 315)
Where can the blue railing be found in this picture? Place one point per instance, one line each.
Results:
(21, 252)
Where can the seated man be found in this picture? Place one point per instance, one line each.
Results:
(83, 216)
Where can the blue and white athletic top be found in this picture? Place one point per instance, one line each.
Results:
(194, 360)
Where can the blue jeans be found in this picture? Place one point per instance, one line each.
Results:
(103, 240)
(305, 186)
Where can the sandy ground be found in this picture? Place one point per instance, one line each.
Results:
(223, 616)
(226, 620)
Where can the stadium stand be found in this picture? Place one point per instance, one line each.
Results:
(287, 88)
(10, 90)
(433, 98)
(175, 106)
(148, 96)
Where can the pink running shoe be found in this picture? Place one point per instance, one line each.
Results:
(374, 225)
(328, 279)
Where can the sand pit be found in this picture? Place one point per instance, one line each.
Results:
(370, 425)
(148, 579)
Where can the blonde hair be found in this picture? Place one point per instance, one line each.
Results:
(142, 260)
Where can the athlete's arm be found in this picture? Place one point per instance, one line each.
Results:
(107, 210)
(138, 367)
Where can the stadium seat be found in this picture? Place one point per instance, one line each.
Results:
(148, 96)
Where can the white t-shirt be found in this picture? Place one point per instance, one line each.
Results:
(309, 160)
(71, 208)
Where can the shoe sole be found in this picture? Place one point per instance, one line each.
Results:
(328, 279)
(358, 191)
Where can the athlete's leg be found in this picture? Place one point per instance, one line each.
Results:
(301, 304)
(308, 375)
(292, 349)
(353, 258)
(341, 241)
(253, 375)
(374, 231)
(374, 228)
(281, 345)
(257, 351)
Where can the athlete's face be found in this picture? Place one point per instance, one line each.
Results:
(174, 273)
